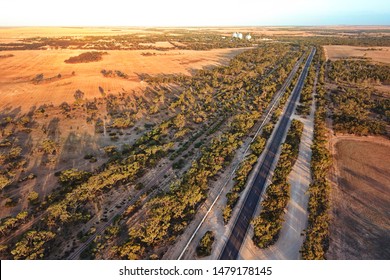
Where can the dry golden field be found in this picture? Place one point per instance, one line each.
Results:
(17, 72)
(376, 54)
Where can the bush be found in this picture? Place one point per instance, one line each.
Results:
(49, 147)
(258, 145)
(122, 122)
(33, 197)
(88, 156)
(72, 177)
(78, 95)
(4, 181)
(179, 164)
(205, 244)
(38, 78)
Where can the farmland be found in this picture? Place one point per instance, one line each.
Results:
(115, 141)
(374, 54)
(357, 88)
(18, 71)
(360, 199)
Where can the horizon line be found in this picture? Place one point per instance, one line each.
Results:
(195, 26)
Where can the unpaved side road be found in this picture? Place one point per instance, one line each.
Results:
(291, 239)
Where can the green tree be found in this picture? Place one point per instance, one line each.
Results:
(33, 245)
(205, 244)
(33, 197)
(72, 177)
(4, 181)
(179, 121)
(258, 145)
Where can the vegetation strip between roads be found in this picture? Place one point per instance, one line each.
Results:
(242, 222)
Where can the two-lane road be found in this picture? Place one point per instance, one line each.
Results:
(242, 222)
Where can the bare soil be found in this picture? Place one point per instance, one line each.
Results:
(360, 199)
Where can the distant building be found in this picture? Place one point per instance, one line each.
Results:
(239, 35)
(248, 37)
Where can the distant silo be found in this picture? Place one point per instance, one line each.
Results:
(235, 35)
(248, 37)
(239, 35)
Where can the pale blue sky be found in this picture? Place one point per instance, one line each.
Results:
(192, 13)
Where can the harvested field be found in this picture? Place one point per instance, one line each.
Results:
(360, 204)
(376, 54)
(17, 73)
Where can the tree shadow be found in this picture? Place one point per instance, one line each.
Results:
(75, 148)
(10, 112)
(364, 218)
(53, 131)
(370, 181)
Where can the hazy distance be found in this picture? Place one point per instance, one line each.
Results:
(193, 13)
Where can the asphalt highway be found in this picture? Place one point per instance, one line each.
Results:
(242, 222)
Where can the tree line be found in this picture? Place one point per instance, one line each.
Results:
(306, 97)
(317, 233)
(268, 224)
